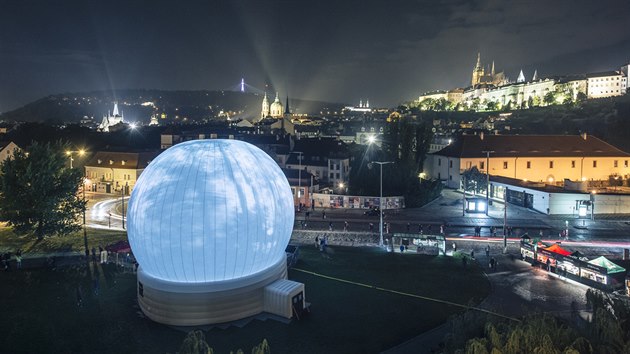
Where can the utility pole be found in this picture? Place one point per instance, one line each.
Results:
(381, 163)
(505, 206)
(87, 250)
(488, 152)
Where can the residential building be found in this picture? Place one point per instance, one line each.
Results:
(7, 149)
(113, 172)
(606, 84)
(328, 159)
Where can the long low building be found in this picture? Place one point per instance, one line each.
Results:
(111, 172)
(550, 159)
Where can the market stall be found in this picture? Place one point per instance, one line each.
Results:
(602, 271)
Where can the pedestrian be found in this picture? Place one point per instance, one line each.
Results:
(442, 229)
(454, 248)
(18, 260)
(324, 214)
(103, 256)
(94, 254)
(492, 262)
(345, 226)
(371, 227)
(494, 231)
(540, 233)
(487, 250)
(402, 248)
(548, 265)
(316, 241)
(387, 227)
(472, 255)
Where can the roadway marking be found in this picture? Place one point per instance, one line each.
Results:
(407, 294)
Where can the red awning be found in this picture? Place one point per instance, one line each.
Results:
(120, 247)
(555, 248)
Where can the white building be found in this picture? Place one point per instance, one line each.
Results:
(109, 172)
(606, 84)
(7, 149)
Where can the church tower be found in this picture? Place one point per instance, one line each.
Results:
(265, 107)
(478, 71)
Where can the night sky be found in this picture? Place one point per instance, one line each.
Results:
(342, 51)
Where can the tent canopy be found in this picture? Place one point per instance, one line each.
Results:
(610, 266)
(120, 246)
(555, 248)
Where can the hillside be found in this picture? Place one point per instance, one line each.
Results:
(139, 105)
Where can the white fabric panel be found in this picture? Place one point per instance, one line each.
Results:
(210, 210)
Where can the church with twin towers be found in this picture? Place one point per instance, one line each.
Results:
(275, 109)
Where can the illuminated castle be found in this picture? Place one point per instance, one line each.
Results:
(483, 76)
(111, 119)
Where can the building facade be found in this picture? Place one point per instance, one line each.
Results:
(7, 150)
(538, 158)
(116, 172)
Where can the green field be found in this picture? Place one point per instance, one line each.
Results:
(40, 313)
(10, 242)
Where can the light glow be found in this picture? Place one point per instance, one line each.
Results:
(210, 210)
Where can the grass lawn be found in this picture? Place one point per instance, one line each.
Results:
(40, 314)
(10, 242)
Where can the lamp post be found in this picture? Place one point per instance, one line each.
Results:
(85, 241)
(122, 201)
(488, 152)
(505, 206)
(70, 152)
(299, 178)
(381, 163)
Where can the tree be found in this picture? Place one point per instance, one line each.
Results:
(38, 193)
(475, 180)
(195, 343)
(491, 106)
(549, 98)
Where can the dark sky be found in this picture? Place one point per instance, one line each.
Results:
(388, 51)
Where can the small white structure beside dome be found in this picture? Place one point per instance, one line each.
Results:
(208, 222)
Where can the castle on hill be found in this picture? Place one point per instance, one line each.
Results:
(493, 90)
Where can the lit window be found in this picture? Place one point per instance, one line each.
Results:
(615, 163)
(505, 165)
(550, 164)
(625, 163)
(482, 165)
(573, 164)
(529, 164)
(594, 163)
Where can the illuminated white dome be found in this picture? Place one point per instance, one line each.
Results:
(208, 211)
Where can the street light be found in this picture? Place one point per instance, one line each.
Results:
(381, 163)
(87, 250)
(70, 152)
(297, 193)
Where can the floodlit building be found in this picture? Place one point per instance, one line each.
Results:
(111, 119)
(109, 172)
(209, 221)
(540, 158)
(7, 149)
(606, 84)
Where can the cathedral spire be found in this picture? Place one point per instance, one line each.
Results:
(115, 112)
(286, 107)
(492, 68)
(521, 77)
(535, 77)
(478, 66)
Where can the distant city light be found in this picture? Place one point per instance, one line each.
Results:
(371, 139)
(133, 125)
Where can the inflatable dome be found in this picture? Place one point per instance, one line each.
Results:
(210, 211)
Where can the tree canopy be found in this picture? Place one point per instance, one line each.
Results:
(38, 192)
(405, 142)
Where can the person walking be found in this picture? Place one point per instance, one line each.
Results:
(18, 260)
(487, 251)
(324, 214)
(454, 248)
(330, 226)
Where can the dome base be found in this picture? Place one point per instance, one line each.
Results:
(195, 304)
